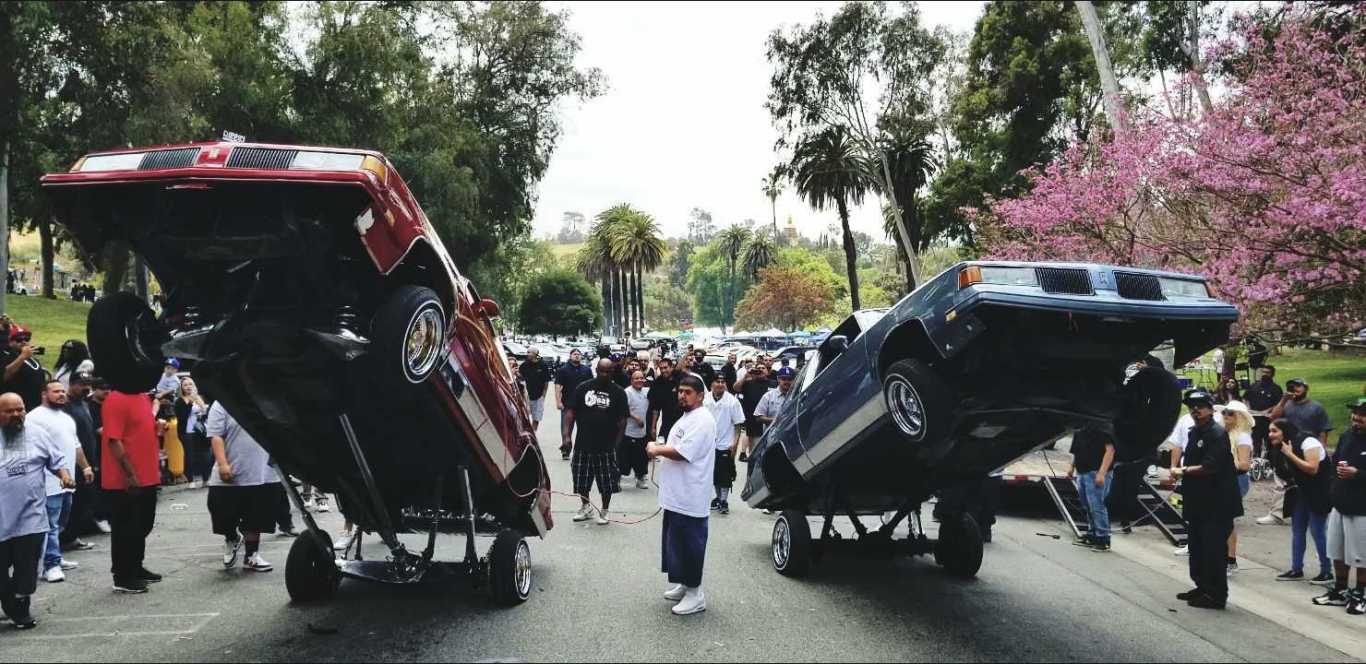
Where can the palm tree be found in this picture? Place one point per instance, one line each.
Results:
(636, 244)
(910, 159)
(759, 254)
(828, 168)
(732, 242)
(595, 262)
(773, 187)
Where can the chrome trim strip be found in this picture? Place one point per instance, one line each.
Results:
(856, 425)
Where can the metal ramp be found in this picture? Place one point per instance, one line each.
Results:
(1064, 493)
(1160, 513)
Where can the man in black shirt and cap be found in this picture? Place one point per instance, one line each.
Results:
(1347, 522)
(1210, 494)
(1262, 396)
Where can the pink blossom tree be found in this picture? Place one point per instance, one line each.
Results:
(1265, 195)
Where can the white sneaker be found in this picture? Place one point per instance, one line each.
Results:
(196, 484)
(693, 602)
(343, 542)
(310, 505)
(230, 549)
(602, 518)
(1270, 520)
(69, 564)
(322, 507)
(1181, 551)
(642, 484)
(103, 527)
(54, 575)
(585, 513)
(256, 563)
(675, 593)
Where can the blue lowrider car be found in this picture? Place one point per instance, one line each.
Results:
(978, 366)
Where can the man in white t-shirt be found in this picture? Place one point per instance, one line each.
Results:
(61, 429)
(729, 416)
(685, 477)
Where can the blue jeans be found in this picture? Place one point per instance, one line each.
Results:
(58, 512)
(1097, 516)
(1301, 519)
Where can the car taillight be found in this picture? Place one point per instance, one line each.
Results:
(127, 161)
(376, 167)
(969, 276)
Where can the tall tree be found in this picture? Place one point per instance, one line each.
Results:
(824, 76)
(911, 160)
(829, 170)
(559, 303)
(732, 242)
(1109, 85)
(760, 252)
(637, 245)
(773, 187)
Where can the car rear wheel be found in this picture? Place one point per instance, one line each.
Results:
(792, 548)
(918, 401)
(959, 549)
(509, 564)
(121, 330)
(1152, 404)
(409, 332)
(311, 569)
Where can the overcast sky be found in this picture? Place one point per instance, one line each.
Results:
(682, 123)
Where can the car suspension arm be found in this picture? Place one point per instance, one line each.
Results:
(386, 531)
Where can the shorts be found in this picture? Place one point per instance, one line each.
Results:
(246, 509)
(1347, 538)
(754, 428)
(723, 472)
(1244, 484)
(537, 407)
(601, 467)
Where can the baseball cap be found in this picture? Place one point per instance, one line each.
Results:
(172, 362)
(1296, 381)
(1359, 404)
(85, 378)
(18, 332)
(786, 372)
(1198, 398)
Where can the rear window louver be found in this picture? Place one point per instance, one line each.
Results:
(1064, 280)
(268, 158)
(1138, 286)
(159, 159)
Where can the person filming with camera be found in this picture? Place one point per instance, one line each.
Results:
(23, 375)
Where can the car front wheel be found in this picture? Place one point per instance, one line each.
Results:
(123, 334)
(409, 332)
(918, 401)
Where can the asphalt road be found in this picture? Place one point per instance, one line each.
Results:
(597, 597)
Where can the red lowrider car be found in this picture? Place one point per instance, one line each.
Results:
(315, 300)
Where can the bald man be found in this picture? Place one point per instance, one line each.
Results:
(599, 407)
(27, 456)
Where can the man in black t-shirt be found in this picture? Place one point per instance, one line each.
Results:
(599, 408)
(1347, 521)
(663, 398)
(1209, 490)
(1093, 454)
(568, 379)
(536, 376)
(752, 389)
(1262, 396)
(23, 375)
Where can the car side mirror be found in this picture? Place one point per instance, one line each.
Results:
(490, 308)
(838, 344)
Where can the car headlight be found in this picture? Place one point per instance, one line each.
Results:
(1182, 288)
(998, 275)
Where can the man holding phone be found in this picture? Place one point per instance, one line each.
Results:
(23, 374)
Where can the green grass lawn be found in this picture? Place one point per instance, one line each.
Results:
(1334, 379)
(52, 321)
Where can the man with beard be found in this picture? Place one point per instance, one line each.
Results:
(1211, 502)
(84, 504)
(61, 430)
(567, 380)
(27, 456)
(685, 478)
(663, 400)
(600, 408)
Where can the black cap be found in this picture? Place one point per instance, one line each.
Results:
(1296, 381)
(1198, 397)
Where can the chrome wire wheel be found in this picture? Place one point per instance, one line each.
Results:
(422, 346)
(522, 570)
(906, 407)
(782, 543)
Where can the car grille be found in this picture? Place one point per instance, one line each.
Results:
(1064, 280)
(268, 158)
(1138, 286)
(159, 159)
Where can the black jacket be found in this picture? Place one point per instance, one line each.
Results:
(1213, 494)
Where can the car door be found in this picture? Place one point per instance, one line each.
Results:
(838, 390)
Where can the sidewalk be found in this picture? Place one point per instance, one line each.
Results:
(1253, 587)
